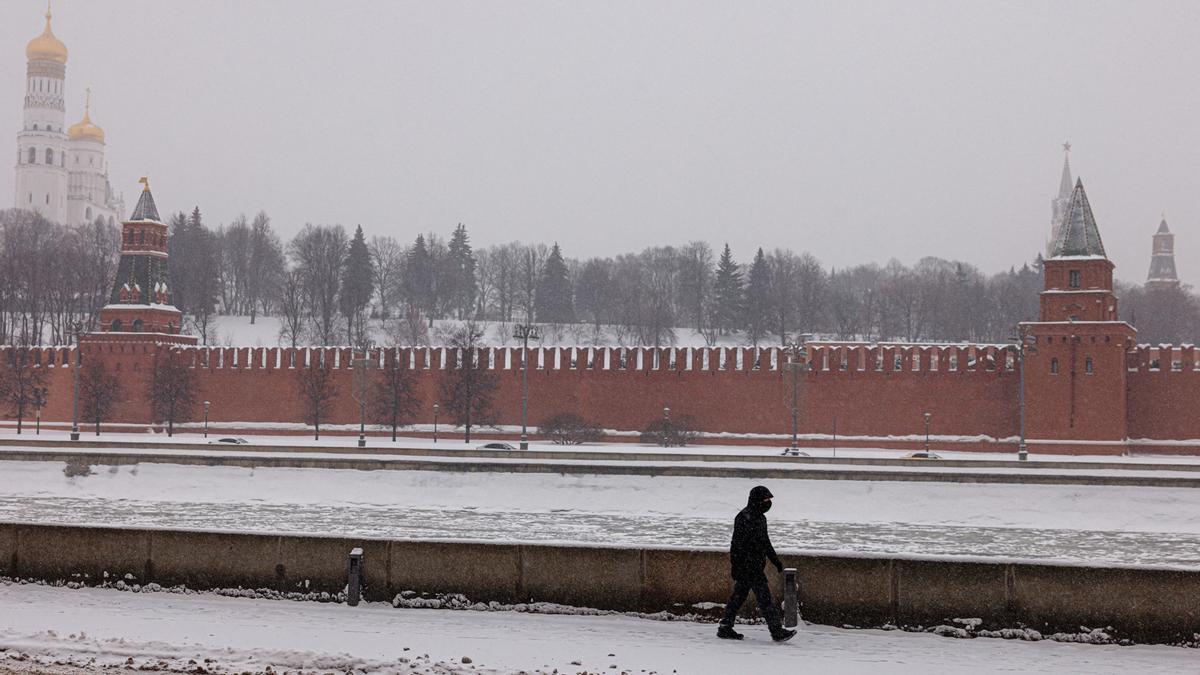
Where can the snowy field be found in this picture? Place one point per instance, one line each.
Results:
(55, 630)
(237, 331)
(1069, 523)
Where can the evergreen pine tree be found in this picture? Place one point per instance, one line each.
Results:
(356, 289)
(553, 303)
(728, 292)
(758, 299)
(418, 276)
(459, 287)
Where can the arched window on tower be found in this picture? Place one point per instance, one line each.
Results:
(33, 155)
(116, 326)
(1088, 367)
(1054, 366)
(137, 325)
(35, 128)
(88, 213)
(50, 156)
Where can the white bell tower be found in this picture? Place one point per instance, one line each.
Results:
(41, 169)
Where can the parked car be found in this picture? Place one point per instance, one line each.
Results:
(231, 440)
(497, 446)
(922, 454)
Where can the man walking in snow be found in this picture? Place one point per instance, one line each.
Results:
(748, 553)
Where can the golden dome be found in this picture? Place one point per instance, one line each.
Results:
(46, 47)
(84, 130)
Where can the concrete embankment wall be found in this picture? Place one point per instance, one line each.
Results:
(1144, 604)
(421, 462)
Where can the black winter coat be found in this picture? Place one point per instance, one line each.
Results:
(751, 546)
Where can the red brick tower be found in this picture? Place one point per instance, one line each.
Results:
(1075, 382)
(141, 299)
(1162, 260)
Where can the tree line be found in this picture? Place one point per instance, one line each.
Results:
(330, 286)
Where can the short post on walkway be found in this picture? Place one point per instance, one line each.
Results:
(791, 604)
(354, 582)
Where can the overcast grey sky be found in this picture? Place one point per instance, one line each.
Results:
(855, 131)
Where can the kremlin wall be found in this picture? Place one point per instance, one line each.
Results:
(1089, 388)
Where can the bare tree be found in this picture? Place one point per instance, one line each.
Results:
(387, 269)
(469, 387)
(172, 392)
(99, 392)
(266, 266)
(319, 252)
(293, 311)
(393, 396)
(317, 390)
(409, 329)
(22, 384)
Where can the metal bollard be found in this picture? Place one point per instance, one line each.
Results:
(355, 580)
(791, 610)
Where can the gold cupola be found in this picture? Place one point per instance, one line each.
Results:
(84, 130)
(46, 47)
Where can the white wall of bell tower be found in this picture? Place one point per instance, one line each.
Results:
(41, 166)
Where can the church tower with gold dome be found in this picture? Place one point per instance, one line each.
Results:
(89, 192)
(42, 143)
(60, 171)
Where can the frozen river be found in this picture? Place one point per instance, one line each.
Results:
(1073, 523)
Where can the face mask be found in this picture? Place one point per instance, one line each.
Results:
(764, 506)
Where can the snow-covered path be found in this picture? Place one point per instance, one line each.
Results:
(164, 631)
(1076, 523)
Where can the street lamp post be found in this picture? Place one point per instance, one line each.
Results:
(927, 416)
(362, 365)
(525, 332)
(666, 426)
(39, 402)
(797, 361)
(436, 408)
(76, 329)
(1026, 345)
(207, 405)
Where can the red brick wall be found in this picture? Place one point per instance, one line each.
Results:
(719, 387)
(969, 390)
(1164, 393)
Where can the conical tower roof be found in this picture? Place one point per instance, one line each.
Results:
(1162, 227)
(1064, 184)
(1079, 235)
(145, 209)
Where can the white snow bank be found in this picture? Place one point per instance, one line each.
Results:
(92, 628)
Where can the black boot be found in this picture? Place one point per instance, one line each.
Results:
(781, 634)
(728, 633)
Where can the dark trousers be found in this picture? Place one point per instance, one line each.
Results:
(762, 593)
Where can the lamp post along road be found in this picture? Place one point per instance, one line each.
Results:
(525, 332)
(436, 407)
(362, 368)
(207, 405)
(927, 416)
(1026, 345)
(797, 361)
(76, 329)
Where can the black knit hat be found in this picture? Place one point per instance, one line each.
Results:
(759, 493)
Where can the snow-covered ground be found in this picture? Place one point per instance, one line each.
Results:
(237, 331)
(44, 629)
(1072, 523)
